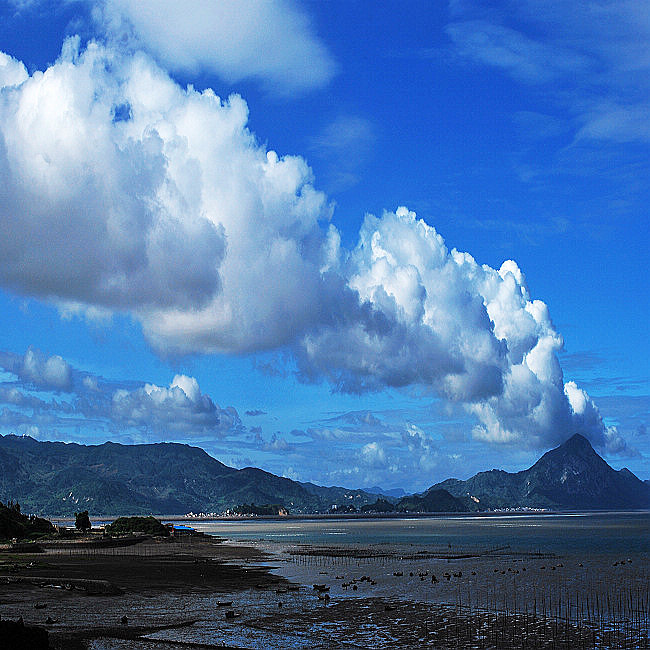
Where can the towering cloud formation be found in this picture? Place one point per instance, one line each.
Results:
(472, 333)
(89, 212)
(122, 191)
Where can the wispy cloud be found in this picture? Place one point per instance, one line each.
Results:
(525, 58)
(590, 58)
(273, 42)
(355, 420)
(255, 412)
(344, 145)
(533, 233)
(582, 360)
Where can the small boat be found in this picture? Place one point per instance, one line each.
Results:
(224, 603)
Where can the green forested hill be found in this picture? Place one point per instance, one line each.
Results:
(54, 478)
(433, 500)
(59, 479)
(14, 524)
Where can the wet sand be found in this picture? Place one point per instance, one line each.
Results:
(405, 596)
(174, 595)
(87, 591)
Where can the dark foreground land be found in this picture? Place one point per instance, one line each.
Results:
(196, 592)
(80, 592)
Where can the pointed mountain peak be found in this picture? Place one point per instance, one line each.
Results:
(576, 442)
(576, 449)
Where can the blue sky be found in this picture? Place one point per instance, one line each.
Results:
(348, 242)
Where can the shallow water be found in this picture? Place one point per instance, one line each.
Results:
(553, 565)
(587, 533)
(568, 566)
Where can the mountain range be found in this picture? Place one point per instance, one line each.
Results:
(570, 477)
(56, 478)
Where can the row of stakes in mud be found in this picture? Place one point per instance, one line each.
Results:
(50, 621)
(423, 575)
(323, 589)
(457, 574)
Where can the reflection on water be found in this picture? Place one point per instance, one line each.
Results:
(591, 570)
(602, 533)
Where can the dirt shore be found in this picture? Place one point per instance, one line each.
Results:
(79, 593)
(200, 593)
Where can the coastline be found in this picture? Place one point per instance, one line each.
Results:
(203, 517)
(174, 593)
(87, 590)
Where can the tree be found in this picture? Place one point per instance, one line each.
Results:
(381, 505)
(129, 525)
(82, 521)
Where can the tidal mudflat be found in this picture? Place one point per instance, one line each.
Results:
(582, 580)
(499, 582)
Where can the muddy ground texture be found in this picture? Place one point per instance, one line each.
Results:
(78, 594)
(162, 594)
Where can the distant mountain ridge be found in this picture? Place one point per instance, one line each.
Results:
(571, 476)
(433, 500)
(56, 478)
(393, 493)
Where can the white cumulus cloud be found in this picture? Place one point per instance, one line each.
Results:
(49, 373)
(432, 316)
(269, 40)
(178, 408)
(12, 72)
(123, 191)
(95, 209)
(373, 454)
